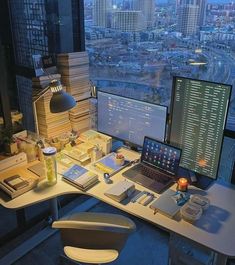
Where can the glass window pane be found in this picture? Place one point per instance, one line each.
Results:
(136, 46)
(227, 159)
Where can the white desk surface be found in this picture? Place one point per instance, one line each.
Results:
(215, 229)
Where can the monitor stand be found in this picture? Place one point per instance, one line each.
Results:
(200, 181)
(118, 144)
(132, 147)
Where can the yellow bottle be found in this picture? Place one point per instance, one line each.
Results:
(50, 165)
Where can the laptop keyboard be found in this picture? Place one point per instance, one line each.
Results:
(151, 173)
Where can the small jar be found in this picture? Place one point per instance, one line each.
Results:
(50, 164)
(96, 154)
(31, 152)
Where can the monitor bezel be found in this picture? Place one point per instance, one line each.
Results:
(129, 143)
(171, 118)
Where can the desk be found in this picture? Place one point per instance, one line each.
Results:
(215, 230)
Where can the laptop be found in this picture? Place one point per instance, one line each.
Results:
(158, 166)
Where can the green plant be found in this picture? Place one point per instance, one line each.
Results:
(6, 136)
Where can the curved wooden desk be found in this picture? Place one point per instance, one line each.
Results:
(215, 230)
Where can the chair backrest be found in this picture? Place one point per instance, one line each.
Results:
(95, 230)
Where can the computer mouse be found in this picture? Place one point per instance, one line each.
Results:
(107, 178)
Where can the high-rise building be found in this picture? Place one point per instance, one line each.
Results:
(191, 15)
(148, 9)
(128, 21)
(202, 12)
(102, 13)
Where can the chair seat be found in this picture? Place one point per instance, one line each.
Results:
(97, 256)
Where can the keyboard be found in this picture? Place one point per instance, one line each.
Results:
(153, 174)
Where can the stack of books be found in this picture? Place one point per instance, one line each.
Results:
(80, 177)
(80, 116)
(49, 124)
(74, 70)
(40, 83)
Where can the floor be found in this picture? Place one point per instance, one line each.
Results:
(148, 245)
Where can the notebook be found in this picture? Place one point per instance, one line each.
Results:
(80, 177)
(158, 165)
(166, 204)
(107, 164)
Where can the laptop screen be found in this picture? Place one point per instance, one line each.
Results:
(160, 155)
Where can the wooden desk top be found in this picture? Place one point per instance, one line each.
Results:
(214, 230)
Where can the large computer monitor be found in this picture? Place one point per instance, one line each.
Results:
(198, 116)
(129, 119)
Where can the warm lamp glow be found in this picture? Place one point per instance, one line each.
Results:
(182, 184)
(202, 163)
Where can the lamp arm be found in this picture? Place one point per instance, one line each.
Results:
(41, 94)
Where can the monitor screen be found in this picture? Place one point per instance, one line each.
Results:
(198, 116)
(130, 120)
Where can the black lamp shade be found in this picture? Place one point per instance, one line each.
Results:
(61, 101)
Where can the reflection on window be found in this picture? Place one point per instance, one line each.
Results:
(227, 159)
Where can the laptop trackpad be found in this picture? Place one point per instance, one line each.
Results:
(143, 180)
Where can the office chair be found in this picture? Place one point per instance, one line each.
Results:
(94, 238)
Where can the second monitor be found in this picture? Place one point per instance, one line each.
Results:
(129, 119)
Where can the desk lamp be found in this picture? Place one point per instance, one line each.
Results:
(59, 102)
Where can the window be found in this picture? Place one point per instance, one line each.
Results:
(136, 46)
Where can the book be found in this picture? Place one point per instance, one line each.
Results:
(107, 164)
(80, 177)
(166, 204)
(120, 191)
(15, 185)
(71, 55)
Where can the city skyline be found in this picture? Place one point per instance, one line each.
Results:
(126, 57)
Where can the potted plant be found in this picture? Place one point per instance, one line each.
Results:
(119, 159)
(8, 141)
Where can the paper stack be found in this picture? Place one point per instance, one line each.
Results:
(41, 82)
(80, 117)
(74, 70)
(49, 124)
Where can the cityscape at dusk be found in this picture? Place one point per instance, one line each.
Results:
(117, 132)
(136, 46)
